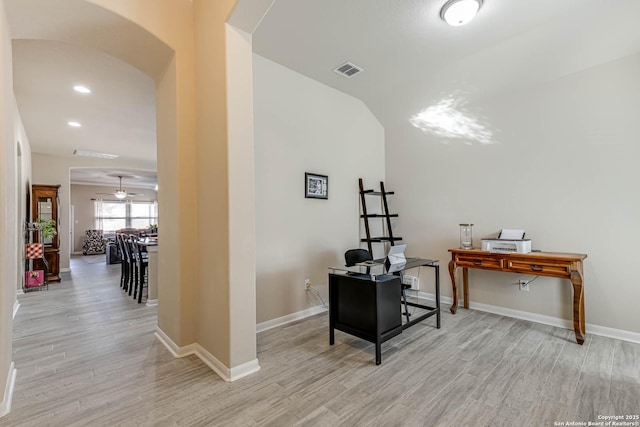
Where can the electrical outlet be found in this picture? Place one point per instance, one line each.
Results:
(411, 281)
(523, 285)
(307, 284)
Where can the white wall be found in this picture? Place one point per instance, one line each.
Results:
(565, 169)
(23, 180)
(9, 213)
(303, 126)
(242, 257)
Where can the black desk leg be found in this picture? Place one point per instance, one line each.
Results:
(378, 351)
(438, 295)
(332, 304)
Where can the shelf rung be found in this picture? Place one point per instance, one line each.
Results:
(379, 216)
(381, 239)
(378, 193)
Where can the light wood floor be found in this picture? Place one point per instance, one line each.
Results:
(86, 356)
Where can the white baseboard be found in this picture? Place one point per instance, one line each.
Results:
(65, 270)
(152, 302)
(618, 334)
(173, 347)
(227, 374)
(604, 331)
(5, 405)
(269, 324)
(20, 291)
(16, 306)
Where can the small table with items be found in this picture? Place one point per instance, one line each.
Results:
(364, 300)
(560, 265)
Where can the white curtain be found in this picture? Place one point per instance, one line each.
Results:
(97, 214)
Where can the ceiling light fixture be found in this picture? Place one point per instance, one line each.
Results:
(74, 124)
(81, 89)
(460, 12)
(87, 153)
(120, 193)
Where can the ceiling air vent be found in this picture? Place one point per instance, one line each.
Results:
(348, 70)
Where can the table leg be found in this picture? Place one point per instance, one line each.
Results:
(465, 287)
(332, 308)
(437, 271)
(578, 306)
(454, 290)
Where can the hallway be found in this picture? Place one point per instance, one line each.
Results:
(81, 346)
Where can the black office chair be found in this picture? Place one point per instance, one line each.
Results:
(354, 256)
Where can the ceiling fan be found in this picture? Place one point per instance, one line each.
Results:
(120, 193)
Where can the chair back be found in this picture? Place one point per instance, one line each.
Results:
(119, 244)
(93, 234)
(138, 249)
(128, 256)
(132, 240)
(354, 256)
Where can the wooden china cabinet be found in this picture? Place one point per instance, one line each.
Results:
(46, 205)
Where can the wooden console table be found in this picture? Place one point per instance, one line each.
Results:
(561, 265)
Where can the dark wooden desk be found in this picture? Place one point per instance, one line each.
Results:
(365, 302)
(561, 265)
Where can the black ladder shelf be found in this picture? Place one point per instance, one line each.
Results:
(386, 215)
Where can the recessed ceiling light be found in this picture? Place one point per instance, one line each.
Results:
(460, 12)
(87, 153)
(81, 89)
(74, 124)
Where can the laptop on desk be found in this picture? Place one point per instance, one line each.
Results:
(396, 259)
(394, 268)
(396, 254)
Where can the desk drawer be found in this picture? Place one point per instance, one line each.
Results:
(541, 268)
(475, 261)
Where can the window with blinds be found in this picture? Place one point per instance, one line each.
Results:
(114, 215)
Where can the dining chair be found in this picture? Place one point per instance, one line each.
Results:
(142, 264)
(131, 259)
(126, 262)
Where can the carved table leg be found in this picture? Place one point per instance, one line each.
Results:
(465, 287)
(578, 306)
(452, 273)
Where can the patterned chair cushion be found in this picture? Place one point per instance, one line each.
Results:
(93, 243)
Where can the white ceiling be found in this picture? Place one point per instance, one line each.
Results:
(118, 117)
(109, 177)
(58, 44)
(412, 59)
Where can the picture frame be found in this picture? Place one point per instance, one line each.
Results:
(316, 186)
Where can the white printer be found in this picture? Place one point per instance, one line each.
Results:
(508, 241)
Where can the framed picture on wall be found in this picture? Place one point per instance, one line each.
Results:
(316, 186)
